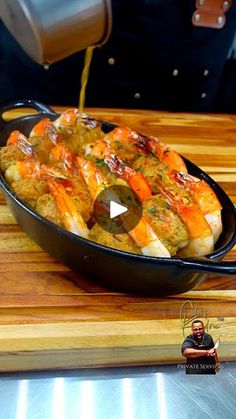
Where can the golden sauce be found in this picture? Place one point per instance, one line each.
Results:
(84, 76)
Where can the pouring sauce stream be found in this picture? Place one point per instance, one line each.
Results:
(85, 75)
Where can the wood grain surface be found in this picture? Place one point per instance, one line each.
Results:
(51, 317)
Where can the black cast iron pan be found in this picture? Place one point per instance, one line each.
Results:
(118, 270)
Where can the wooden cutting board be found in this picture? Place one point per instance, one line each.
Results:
(51, 317)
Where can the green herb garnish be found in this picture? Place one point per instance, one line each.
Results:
(101, 162)
(152, 210)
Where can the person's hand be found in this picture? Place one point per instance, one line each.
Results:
(217, 367)
(211, 352)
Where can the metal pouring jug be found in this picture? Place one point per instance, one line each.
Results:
(49, 30)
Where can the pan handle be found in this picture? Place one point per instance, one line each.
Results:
(210, 266)
(26, 103)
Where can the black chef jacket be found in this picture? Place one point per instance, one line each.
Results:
(201, 364)
(155, 59)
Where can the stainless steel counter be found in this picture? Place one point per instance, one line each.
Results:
(159, 392)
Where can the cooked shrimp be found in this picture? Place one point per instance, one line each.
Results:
(166, 223)
(68, 118)
(125, 134)
(166, 155)
(182, 202)
(149, 144)
(34, 147)
(70, 215)
(61, 156)
(158, 173)
(78, 131)
(73, 117)
(205, 198)
(46, 128)
(94, 179)
(23, 169)
(136, 180)
(29, 168)
(143, 234)
(19, 139)
(40, 128)
(200, 234)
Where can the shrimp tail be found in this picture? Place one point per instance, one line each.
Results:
(71, 217)
(205, 198)
(136, 180)
(19, 139)
(166, 155)
(200, 234)
(45, 127)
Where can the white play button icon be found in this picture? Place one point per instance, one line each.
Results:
(116, 209)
